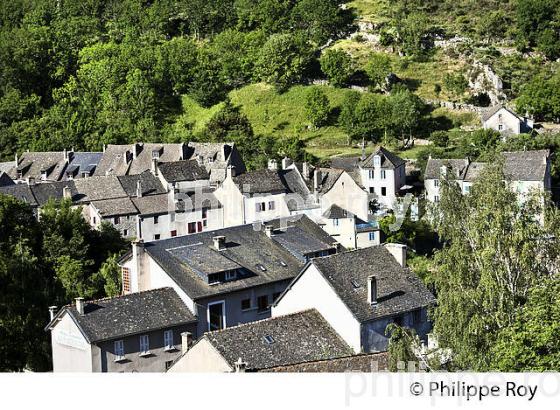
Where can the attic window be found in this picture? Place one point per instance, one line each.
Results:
(268, 339)
(355, 284)
(376, 161)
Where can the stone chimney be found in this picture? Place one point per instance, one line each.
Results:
(186, 341)
(336, 246)
(68, 155)
(272, 165)
(306, 170)
(30, 181)
(398, 251)
(317, 180)
(286, 162)
(67, 192)
(269, 230)
(219, 242)
(154, 166)
(52, 311)
(199, 159)
(372, 290)
(230, 172)
(80, 304)
(363, 156)
(104, 147)
(17, 159)
(139, 189)
(240, 366)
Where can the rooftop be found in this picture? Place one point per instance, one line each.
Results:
(388, 159)
(363, 363)
(115, 207)
(149, 184)
(179, 171)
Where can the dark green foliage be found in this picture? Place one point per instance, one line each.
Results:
(378, 68)
(338, 66)
(402, 340)
(317, 107)
(541, 98)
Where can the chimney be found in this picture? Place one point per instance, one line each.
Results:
(230, 172)
(286, 162)
(272, 165)
(67, 155)
(186, 341)
(317, 180)
(199, 159)
(139, 189)
(17, 159)
(372, 290)
(52, 311)
(80, 305)
(363, 157)
(219, 242)
(306, 170)
(240, 366)
(66, 192)
(30, 181)
(269, 230)
(154, 166)
(104, 147)
(398, 251)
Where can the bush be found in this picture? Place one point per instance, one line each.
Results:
(338, 66)
(440, 138)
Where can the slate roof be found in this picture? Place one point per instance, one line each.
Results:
(7, 166)
(296, 338)
(112, 318)
(300, 244)
(150, 184)
(363, 363)
(399, 290)
(115, 207)
(152, 204)
(346, 163)
(167, 153)
(457, 166)
(99, 188)
(204, 259)
(20, 191)
(113, 160)
(336, 212)
(299, 196)
(179, 171)
(52, 190)
(388, 159)
(328, 178)
(216, 157)
(32, 164)
(490, 112)
(246, 246)
(83, 161)
(260, 182)
(5, 179)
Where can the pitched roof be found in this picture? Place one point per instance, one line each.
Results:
(113, 160)
(5, 179)
(346, 163)
(299, 196)
(149, 183)
(399, 290)
(363, 363)
(83, 162)
(328, 177)
(336, 212)
(179, 171)
(131, 314)
(490, 112)
(115, 207)
(525, 165)
(388, 159)
(264, 259)
(7, 166)
(99, 188)
(52, 190)
(152, 204)
(260, 181)
(33, 164)
(166, 152)
(295, 338)
(457, 166)
(20, 191)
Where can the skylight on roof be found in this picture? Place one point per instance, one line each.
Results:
(268, 339)
(354, 283)
(261, 267)
(284, 264)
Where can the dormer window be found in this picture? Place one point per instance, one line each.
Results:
(43, 175)
(210, 160)
(230, 275)
(376, 161)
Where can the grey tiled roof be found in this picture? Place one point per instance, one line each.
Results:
(115, 207)
(299, 337)
(52, 190)
(152, 204)
(7, 166)
(99, 188)
(249, 248)
(457, 166)
(363, 363)
(525, 165)
(329, 176)
(179, 171)
(300, 244)
(260, 181)
(336, 212)
(113, 160)
(489, 113)
(299, 196)
(20, 191)
(399, 290)
(135, 313)
(83, 161)
(346, 163)
(31, 164)
(150, 184)
(5, 179)
(388, 159)
(168, 153)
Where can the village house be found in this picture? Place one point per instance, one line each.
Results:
(216, 158)
(359, 293)
(140, 332)
(349, 230)
(280, 341)
(525, 171)
(505, 121)
(227, 276)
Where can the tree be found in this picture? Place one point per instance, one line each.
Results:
(401, 342)
(110, 274)
(541, 98)
(284, 60)
(495, 250)
(530, 342)
(317, 106)
(338, 66)
(455, 84)
(406, 112)
(379, 66)
(322, 20)
(548, 43)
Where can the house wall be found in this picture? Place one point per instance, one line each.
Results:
(312, 291)
(155, 362)
(202, 357)
(71, 352)
(393, 181)
(280, 207)
(348, 195)
(179, 222)
(509, 122)
(232, 199)
(344, 233)
(363, 240)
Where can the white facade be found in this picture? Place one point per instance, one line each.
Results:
(385, 183)
(346, 232)
(505, 121)
(347, 194)
(71, 352)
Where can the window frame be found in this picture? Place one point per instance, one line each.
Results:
(261, 309)
(244, 309)
(144, 345)
(168, 340)
(118, 346)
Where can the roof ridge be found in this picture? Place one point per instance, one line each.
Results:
(122, 296)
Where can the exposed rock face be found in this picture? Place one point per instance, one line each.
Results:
(482, 79)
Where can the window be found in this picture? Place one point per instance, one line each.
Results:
(500, 127)
(275, 296)
(157, 236)
(144, 345)
(436, 183)
(436, 199)
(260, 207)
(383, 174)
(371, 174)
(117, 220)
(376, 161)
(168, 364)
(383, 191)
(262, 303)
(216, 316)
(205, 223)
(371, 190)
(335, 222)
(270, 205)
(398, 320)
(94, 220)
(246, 304)
(173, 233)
(417, 317)
(231, 275)
(372, 236)
(156, 220)
(268, 339)
(168, 340)
(199, 226)
(125, 232)
(119, 350)
(191, 227)
(125, 279)
(43, 175)
(467, 189)
(204, 213)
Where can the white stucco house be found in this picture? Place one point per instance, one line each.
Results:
(505, 121)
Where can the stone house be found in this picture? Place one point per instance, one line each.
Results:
(505, 121)
(349, 230)
(140, 332)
